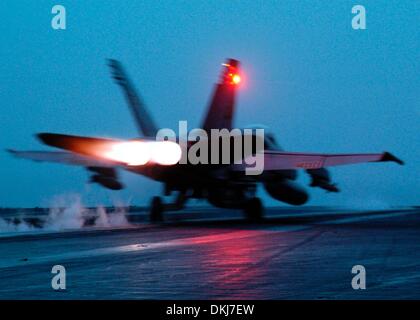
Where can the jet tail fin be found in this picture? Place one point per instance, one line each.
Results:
(144, 121)
(221, 108)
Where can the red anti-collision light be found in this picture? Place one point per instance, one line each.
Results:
(231, 75)
(236, 79)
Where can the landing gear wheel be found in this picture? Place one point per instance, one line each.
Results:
(156, 210)
(254, 209)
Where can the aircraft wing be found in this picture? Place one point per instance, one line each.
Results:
(64, 158)
(278, 160)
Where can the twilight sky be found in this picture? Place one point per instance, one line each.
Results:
(317, 83)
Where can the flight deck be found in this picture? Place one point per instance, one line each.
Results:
(205, 253)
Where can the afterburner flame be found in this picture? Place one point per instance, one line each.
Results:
(132, 153)
(165, 152)
(138, 153)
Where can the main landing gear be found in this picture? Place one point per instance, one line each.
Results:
(253, 209)
(156, 210)
(157, 207)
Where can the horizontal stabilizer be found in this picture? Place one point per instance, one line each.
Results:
(81, 145)
(135, 152)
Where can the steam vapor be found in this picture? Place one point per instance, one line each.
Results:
(66, 213)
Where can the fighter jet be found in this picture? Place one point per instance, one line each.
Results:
(223, 185)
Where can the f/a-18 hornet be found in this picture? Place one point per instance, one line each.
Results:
(224, 185)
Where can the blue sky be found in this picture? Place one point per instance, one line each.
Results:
(317, 83)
